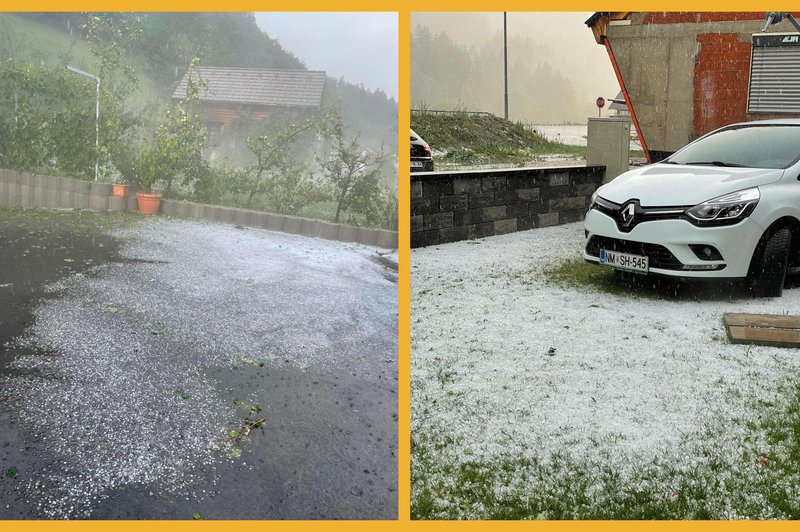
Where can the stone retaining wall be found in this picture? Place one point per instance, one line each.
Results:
(452, 206)
(18, 189)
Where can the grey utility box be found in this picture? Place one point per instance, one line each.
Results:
(608, 141)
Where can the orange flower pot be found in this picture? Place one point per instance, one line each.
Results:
(148, 203)
(119, 190)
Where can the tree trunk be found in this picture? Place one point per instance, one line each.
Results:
(250, 198)
(339, 205)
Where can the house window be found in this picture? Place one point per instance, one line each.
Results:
(775, 74)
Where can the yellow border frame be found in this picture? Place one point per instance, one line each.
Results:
(404, 9)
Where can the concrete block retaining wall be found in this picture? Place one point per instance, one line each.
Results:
(452, 206)
(18, 189)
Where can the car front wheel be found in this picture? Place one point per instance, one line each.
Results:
(769, 271)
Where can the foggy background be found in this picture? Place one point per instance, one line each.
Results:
(360, 47)
(556, 70)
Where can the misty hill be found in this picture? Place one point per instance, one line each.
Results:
(446, 74)
(161, 46)
(462, 138)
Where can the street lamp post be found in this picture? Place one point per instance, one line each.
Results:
(96, 119)
(505, 62)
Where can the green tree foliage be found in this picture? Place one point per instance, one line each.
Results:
(109, 34)
(47, 121)
(354, 173)
(286, 183)
(176, 151)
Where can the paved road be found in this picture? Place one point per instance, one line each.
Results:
(130, 388)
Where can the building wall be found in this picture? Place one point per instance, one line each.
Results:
(452, 206)
(226, 114)
(687, 73)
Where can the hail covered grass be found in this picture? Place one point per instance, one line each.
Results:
(535, 398)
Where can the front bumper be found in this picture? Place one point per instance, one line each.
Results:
(670, 240)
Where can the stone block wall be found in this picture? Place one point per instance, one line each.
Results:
(19, 189)
(452, 206)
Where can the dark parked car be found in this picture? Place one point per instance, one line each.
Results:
(421, 158)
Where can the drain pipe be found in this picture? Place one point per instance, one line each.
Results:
(627, 98)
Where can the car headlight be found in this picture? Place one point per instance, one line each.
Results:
(724, 210)
(594, 198)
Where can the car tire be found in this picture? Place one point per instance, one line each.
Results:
(769, 270)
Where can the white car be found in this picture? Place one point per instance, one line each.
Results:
(725, 206)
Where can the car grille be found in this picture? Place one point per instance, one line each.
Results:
(641, 214)
(659, 256)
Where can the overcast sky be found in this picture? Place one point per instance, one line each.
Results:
(360, 47)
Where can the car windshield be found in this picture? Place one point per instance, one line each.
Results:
(774, 146)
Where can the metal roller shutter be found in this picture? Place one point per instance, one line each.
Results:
(775, 74)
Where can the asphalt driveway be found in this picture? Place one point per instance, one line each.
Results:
(178, 370)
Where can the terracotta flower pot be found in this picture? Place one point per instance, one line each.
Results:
(119, 190)
(148, 203)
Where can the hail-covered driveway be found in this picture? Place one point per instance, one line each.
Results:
(143, 381)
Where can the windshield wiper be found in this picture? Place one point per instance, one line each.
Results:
(719, 163)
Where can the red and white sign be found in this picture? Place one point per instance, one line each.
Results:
(600, 102)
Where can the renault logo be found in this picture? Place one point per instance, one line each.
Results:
(627, 214)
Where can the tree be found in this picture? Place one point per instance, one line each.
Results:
(47, 120)
(178, 143)
(354, 172)
(287, 185)
(109, 34)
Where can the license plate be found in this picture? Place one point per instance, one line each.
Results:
(416, 164)
(624, 261)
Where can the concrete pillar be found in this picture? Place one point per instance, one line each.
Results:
(241, 217)
(226, 215)
(182, 209)
(79, 201)
(65, 199)
(13, 194)
(116, 204)
(211, 213)
(387, 239)
(274, 222)
(347, 233)
(52, 196)
(199, 211)
(292, 224)
(326, 230)
(25, 196)
(368, 237)
(608, 144)
(308, 227)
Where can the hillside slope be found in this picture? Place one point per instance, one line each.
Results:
(461, 139)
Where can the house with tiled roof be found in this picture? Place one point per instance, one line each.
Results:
(230, 93)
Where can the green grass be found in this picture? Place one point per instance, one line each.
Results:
(578, 273)
(462, 139)
(757, 483)
(478, 139)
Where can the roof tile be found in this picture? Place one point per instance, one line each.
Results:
(256, 86)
